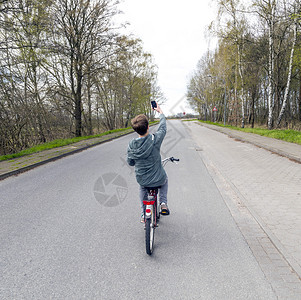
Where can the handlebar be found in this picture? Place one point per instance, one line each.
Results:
(171, 158)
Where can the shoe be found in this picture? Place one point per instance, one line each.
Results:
(164, 209)
(142, 220)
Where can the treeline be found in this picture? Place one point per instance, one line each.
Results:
(254, 75)
(65, 70)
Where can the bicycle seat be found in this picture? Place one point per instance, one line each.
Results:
(152, 188)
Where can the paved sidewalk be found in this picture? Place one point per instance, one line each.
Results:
(263, 192)
(27, 162)
(289, 150)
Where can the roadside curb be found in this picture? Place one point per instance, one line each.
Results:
(40, 163)
(235, 135)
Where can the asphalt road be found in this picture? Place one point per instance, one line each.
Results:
(70, 230)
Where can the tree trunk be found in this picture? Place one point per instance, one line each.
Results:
(242, 88)
(271, 66)
(78, 116)
(89, 125)
(288, 77)
(78, 101)
(252, 107)
(300, 96)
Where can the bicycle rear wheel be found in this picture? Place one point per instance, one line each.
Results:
(150, 234)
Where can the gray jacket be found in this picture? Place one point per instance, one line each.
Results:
(144, 154)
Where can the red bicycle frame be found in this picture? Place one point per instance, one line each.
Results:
(150, 203)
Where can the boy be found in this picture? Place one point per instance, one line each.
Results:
(144, 153)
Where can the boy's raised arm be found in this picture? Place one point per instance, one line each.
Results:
(162, 125)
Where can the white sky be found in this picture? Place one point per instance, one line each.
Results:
(174, 32)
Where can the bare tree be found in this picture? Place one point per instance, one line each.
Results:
(83, 34)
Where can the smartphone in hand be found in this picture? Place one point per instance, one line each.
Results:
(154, 104)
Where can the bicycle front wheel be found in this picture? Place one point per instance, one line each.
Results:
(149, 234)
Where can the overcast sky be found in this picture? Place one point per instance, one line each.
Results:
(174, 32)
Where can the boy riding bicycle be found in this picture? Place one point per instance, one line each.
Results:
(144, 153)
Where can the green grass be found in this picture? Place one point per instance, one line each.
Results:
(189, 120)
(57, 143)
(61, 142)
(292, 136)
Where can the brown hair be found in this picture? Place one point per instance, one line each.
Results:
(140, 124)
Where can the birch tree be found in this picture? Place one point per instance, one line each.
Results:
(295, 20)
(266, 9)
(234, 31)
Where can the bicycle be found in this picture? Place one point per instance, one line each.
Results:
(152, 212)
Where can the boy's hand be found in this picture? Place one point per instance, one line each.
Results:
(158, 109)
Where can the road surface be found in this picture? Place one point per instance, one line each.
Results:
(70, 230)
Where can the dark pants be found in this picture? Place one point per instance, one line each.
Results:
(162, 194)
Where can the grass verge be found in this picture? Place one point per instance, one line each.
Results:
(292, 136)
(57, 143)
